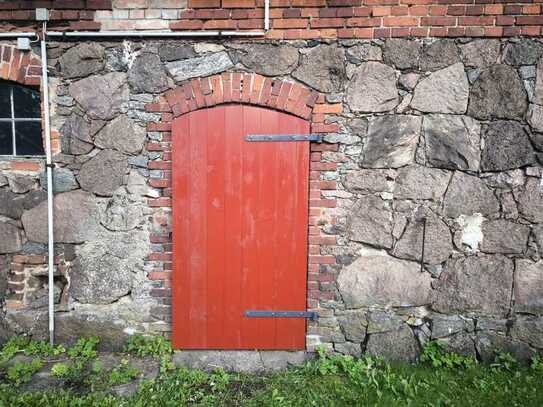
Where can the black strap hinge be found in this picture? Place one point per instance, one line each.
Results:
(282, 314)
(284, 137)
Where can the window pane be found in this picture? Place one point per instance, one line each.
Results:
(28, 140)
(26, 102)
(5, 104)
(6, 139)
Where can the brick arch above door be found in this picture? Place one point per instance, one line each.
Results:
(251, 89)
(256, 90)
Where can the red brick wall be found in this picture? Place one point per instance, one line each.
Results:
(256, 90)
(292, 19)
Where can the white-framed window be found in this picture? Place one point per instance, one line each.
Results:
(20, 120)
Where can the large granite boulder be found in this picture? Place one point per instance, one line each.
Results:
(391, 141)
(402, 53)
(268, 59)
(525, 52)
(101, 96)
(530, 200)
(529, 286)
(103, 173)
(76, 219)
(369, 180)
(199, 67)
(528, 329)
(82, 60)
(452, 142)
(63, 180)
(364, 52)
(322, 68)
(11, 239)
(444, 91)
(147, 74)
(498, 93)
(475, 284)
(504, 236)
(506, 146)
(174, 51)
(439, 54)
(11, 204)
(446, 325)
(372, 88)
(77, 134)
(489, 344)
(121, 134)
(353, 324)
(437, 241)
(467, 195)
(418, 182)
(377, 279)
(370, 221)
(395, 346)
(480, 53)
(123, 212)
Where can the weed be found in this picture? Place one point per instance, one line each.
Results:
(21, 372)
(43, 349)
(140, 345)
(84, 348)
(122, 374)
(434, 354)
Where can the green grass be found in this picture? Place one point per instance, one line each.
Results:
(438, 379)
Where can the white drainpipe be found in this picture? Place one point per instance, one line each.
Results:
(49, 168)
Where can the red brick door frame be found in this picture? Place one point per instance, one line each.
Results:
(251, 89)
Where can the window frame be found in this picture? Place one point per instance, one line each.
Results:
(12, 120)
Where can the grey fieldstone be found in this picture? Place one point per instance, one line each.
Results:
(172, 52)
(121, 134)
(76, 219)
(147, 74)
(4, 268)
(380, 321)
(382, 280)
(525, 52)
(408, 80)
(199, 67)
(397, 346)
(503, 236)
(479, 284)
(122, 212)
(535, 120)
(439, 54)
(353, 325)
(438, 241)
(63, 180)
(364, 52)
(101, 96)
(492, 324)
(402, 53)
(11, 239)
(529, 286)
(452, 142)
(505, 180)
(498, 93)
(77, 135)
(462, 343)
(370, 222)
(530, 200)
(372, 88)
(322, 68)
(348, 348)
(19, 183)
(538, 235)
(82, 60)
(528, 329)
(103, 173)
(99, 277)
(506, 147)
(489, 344)
(269, 59)
(444, 91)
(418, 182)
(11, 204)
(446, 325)
(480, 53)
(369, 180)
(538, 89)
(467, 195)
(391, 141)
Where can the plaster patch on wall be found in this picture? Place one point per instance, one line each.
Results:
(472, 234)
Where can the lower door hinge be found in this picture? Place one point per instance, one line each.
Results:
(284, 137)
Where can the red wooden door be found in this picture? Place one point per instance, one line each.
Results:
(240, 213)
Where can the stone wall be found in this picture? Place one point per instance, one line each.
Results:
(442, 136)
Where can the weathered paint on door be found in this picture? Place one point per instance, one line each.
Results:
(240, 216)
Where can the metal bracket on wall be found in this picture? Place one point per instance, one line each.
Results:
(282, 314)
(284, 137)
